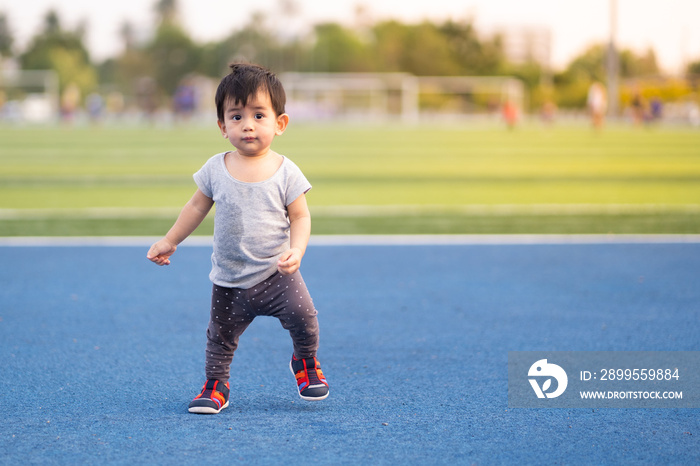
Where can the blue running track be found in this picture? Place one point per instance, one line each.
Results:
(101, 351)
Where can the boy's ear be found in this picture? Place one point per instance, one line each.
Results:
(282, 122)
(222, 127)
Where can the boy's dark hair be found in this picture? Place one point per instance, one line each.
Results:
(244, 81)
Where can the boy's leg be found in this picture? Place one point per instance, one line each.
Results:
(230, 316)
(287, 298)
(298, 315)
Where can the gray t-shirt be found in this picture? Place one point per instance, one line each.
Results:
(251, 224)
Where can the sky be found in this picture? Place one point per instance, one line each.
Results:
(670, 27)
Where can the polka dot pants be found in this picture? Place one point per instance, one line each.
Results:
(233, 309)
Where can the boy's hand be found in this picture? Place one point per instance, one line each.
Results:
(289, 261)
(161, 251)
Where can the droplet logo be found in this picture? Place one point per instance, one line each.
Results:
(544, 370)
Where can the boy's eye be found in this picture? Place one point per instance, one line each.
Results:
(259, 116)
(236, 117)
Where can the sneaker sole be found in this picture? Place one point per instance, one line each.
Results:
(206, 410)
(307, 398)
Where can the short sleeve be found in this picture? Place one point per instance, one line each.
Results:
(297, 184)
(203, 178)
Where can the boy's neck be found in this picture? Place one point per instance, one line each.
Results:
(252, 157)
(252, 168)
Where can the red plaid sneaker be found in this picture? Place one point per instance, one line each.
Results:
(310, 380)
(214, 398)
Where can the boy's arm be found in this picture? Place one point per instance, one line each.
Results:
(299, 233)
(189, 219)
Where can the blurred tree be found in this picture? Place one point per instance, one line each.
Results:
(214, 58)
(63, 51)
(124, 72)
(255, 42)
(338, 49)
(530, 73)
(389, 45)
(572, 84)
(173, 56)
(427, 52)
(127, 34)
(38, 54)
(421, 49)
(635, 66)
(474, 56)
(448, 49)
(589, 66)
(172, 53)
(167, 11)
(693, 72)
(71, 68)
(694, 67)
(452, 48)
(6, 38)
(127, 69)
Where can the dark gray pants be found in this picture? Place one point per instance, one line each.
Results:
(233, 309)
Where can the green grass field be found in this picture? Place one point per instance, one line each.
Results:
(378, 179)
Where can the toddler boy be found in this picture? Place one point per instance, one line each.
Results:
(261, 229)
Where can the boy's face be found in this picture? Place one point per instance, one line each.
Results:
(252, 128)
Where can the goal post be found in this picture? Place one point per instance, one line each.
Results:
(409, 98)
(469, 95)
(351, 95)
(28, 95)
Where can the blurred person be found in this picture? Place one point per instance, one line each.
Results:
(510, 114)
(146, 96)
(597, 103)
(639, 107)
(94, 104)
(656, 109)
(548, 112)
(184, 100)
(70, 100)
(114, 105)
(261, 229)
(692, 112)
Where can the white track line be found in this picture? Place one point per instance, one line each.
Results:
(501, 209)
(367, 240)
(369, 210)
